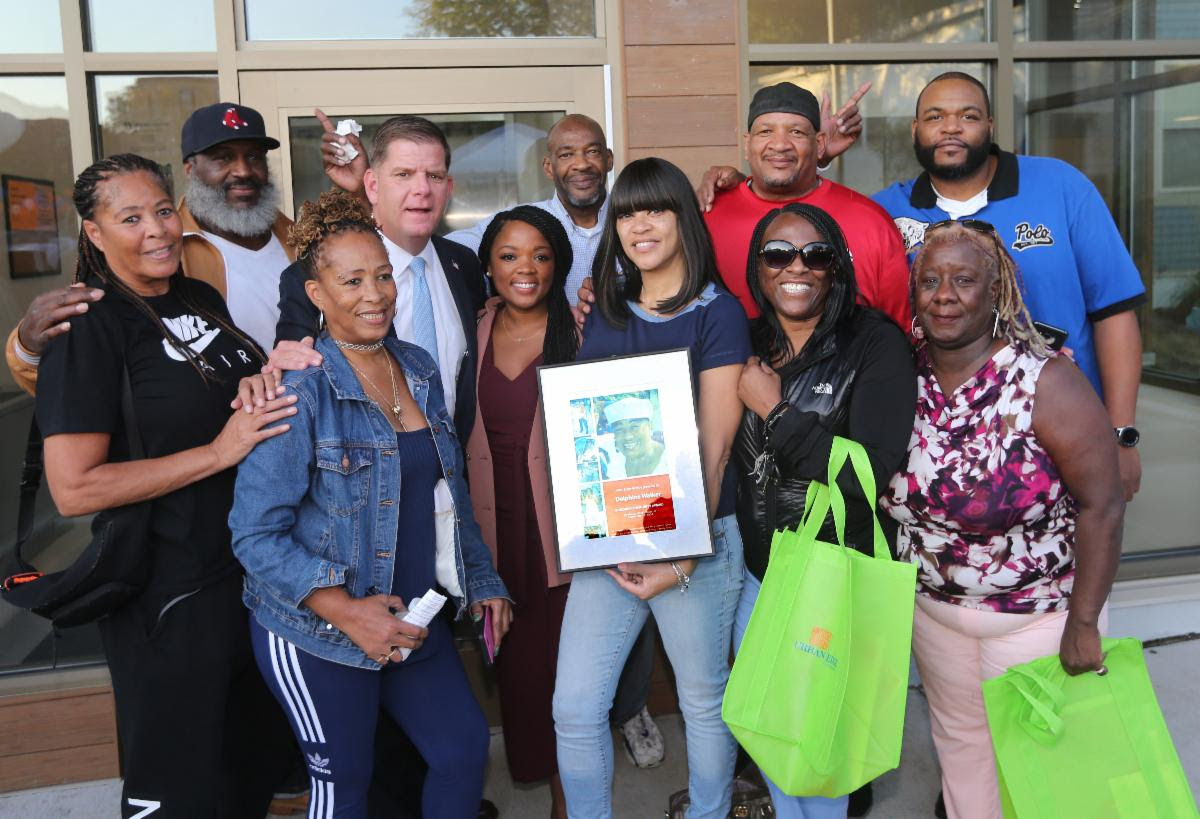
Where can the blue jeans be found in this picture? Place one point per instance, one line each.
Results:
(602, 622)
(786, 807)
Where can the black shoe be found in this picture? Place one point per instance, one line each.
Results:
(861, 801)
(939, 808)
(487, 810)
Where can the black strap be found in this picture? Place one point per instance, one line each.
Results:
(31, 470)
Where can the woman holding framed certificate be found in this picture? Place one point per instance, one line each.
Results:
(657, 289)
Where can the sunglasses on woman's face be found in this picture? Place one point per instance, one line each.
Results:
(778, 254)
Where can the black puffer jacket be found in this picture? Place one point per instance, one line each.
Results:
(859, 383)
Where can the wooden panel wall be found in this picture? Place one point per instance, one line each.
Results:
(57, 737)
(681, 82)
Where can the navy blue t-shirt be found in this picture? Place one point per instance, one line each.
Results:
(713, 328)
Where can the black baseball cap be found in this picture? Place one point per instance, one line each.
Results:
(785, 98)
(222, 122)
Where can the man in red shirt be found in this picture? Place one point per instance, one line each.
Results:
(783, 144)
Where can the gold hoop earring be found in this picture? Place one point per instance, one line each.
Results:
(917, 331)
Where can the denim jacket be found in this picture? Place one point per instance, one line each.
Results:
(316, 506)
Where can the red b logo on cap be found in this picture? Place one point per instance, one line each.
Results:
(232, 120)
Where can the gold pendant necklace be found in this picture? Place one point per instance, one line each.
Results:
(396, 409)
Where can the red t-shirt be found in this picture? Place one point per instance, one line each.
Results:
(880, 264)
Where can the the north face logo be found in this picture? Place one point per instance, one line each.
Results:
(232, 120)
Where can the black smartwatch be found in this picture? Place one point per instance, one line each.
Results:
(1127, 436)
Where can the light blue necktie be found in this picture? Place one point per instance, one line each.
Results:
(424, 330)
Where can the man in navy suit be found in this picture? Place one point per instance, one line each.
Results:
(408, 184)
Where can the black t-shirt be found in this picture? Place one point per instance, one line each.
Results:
(79, 391)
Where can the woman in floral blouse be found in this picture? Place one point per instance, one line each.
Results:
(1010, 502)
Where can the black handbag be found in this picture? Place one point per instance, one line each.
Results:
(112, 569)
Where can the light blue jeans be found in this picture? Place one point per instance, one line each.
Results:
(602, 622)
(786, 807)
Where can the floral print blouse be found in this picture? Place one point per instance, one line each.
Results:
(982, 509)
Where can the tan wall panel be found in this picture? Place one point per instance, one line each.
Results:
(59, 721)
(660, 22)
(676, 71)
(693, 161)
(682, 121)
(45, 768)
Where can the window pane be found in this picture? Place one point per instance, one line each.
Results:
(143, 114)
(417, 19)
(37, 252)
(495, 159)
(30, 28)
(867, 21)
(181, 25)
(1085, 113)
(884, 153)
(1105, 19)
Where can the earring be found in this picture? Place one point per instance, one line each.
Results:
(320, 320)
(917, 331)
(996, 323)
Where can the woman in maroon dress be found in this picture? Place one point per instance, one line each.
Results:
(526, 253)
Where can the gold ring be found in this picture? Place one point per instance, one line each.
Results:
(382, 659)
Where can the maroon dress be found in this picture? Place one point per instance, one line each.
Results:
(528, 657)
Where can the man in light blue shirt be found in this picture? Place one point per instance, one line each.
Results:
(578, 161)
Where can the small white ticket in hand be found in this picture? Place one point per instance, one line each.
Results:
(421, 612)
(347, 153)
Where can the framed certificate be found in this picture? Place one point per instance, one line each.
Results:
(31, 222)
(626, 476)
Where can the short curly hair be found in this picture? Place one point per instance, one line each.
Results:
(334, 212)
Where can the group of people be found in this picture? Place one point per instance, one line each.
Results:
(342, 413)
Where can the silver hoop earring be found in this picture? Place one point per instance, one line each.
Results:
(916, 331)
(996, 323)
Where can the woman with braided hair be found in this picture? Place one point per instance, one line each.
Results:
(824, 366)
(198, 728)
(335, 525)
(526, 254)
(1010, 502)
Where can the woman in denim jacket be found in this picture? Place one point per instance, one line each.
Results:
(335, 526)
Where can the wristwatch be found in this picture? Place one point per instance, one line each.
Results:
(1127, 436)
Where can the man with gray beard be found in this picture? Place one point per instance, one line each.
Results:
(234, 236)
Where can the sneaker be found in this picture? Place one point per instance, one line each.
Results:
(642, 739)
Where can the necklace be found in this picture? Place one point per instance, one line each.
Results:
(361, 348)
(395, 408)
(517, 339)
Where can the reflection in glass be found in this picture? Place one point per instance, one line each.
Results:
(143, 114)
(1133, 127)
(1105, 19)
(496, 160)
(867, 21)
(30, 28)
(884, 153)
(35, 146)
(417, 19)
(135, 25)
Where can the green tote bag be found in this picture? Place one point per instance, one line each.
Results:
(817, 692)
(1085, 747)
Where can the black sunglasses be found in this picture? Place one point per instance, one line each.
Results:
(977, 225)
(778, 254)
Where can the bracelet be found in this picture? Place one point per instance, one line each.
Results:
(684, 580)
(774, 415)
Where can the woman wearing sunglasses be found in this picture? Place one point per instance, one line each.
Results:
(1010, 503)
(823, 366)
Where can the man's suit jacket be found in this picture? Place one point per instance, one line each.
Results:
(298, 317)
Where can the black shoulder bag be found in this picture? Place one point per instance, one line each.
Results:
(112, 569)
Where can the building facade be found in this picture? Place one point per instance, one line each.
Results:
(1113, 86)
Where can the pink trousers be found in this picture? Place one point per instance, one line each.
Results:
(957, 648)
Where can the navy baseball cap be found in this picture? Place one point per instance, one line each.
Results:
(222, 122)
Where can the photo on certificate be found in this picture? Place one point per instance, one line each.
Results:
(627, 481)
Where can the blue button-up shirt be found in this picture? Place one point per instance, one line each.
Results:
(584, 241)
